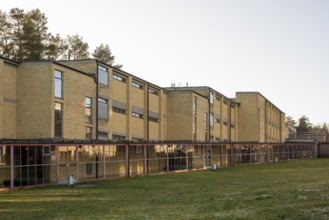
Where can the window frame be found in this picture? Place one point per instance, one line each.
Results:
(153, 91)
(194, 105)
(119, 77)
(137, 115)
(88, 107)
(106, 101)
(60, 80)
(137, 85)
(119, 110)
(106, 136)
(102, 69)
(57, 122)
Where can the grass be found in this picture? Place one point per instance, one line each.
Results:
(296, 189)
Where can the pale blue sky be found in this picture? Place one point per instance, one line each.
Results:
(276, 47)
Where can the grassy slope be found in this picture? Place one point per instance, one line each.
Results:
(288, 190)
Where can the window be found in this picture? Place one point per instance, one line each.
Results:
(217, 139)
(153, 91)
(137, 115)
(137, 112)
(58, 84)
(153, 119)
(118, 137)
(137, 85)
(118, 110)
(211, 119)
(88, 133)
(58, 120)
(119, 107)
(194, 127)
(217, 119)
(88, 110)
(211, 97)
(102, 135)
(103, 75)
(225, 121)
(153, 116)
(206, 121)
(119, 78)
(102, 108)
(137, 139)
(194, 105)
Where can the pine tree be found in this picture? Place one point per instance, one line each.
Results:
(77, 48)
(35, 34)
(104, 54)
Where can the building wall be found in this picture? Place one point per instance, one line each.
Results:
(76, 87)
(34, 98)
(250, 117)
(259, 119)
(36, 101)
(202, 109)
(88, 66)
(179, 116)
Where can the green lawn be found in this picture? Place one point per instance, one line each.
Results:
(296, 189)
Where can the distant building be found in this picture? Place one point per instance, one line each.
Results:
(320, 137)
(291, 131)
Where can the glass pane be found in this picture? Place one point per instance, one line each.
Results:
(58, 119)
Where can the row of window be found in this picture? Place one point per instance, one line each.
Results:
(217, 97)
(88, 130)
(103, 79)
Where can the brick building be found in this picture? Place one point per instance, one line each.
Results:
(90, 100)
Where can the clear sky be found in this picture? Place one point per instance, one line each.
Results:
(279, 48)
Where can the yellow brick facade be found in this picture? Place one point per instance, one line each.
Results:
(219, 111)
(8, 99)
(36, 101)
(259, 119)
(123, 91)
(135, 109)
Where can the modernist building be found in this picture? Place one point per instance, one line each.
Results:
(90, 100)
(259, 119)
(70, 117)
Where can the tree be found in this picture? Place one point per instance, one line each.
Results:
(6, 46)
(290, 121)
(303, 124)
(104, 54)
(55, 47)
(16, 17)
(325, 128)
(77, 48)
(24, 36)
(35, 34)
